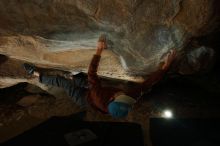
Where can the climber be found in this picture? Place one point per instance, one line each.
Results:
(115, 101)
(107, 100)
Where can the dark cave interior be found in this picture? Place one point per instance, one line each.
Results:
(33, 114)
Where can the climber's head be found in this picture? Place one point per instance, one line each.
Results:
(121, 105)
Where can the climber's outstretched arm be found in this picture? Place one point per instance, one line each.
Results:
(93, 67)
(163, 68)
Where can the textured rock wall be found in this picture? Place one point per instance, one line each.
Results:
(63, 33)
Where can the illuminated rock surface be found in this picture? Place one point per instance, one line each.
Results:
(62, 34)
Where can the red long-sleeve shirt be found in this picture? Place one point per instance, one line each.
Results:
(99, 97)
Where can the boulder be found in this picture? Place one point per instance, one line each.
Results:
(62, 34)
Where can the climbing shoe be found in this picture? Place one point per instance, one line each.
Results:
(29, 68)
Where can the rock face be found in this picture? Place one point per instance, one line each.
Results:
(197, 60)
(63, 33)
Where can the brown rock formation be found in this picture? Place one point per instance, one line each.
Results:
(62, 34)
